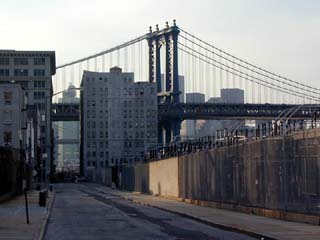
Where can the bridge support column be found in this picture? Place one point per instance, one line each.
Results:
(169, 131)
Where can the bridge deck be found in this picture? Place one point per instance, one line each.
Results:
(207, 111)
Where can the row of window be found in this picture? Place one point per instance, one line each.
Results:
(137, 134)
(22, 72)
(129, 124)
(105, 79)
(4, 72)
(39, 84)
(126, 91)
(113, 161)
(22, 61)
(126, 113)
(93, 154)
(39, 95)
(101, 144)
(41, 106)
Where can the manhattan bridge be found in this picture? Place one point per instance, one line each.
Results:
(162, 55)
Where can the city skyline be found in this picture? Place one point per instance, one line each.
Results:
(64, 29)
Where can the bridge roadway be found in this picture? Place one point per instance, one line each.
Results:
(206, 111)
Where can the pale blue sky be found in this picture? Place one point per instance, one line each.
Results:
(280, 35)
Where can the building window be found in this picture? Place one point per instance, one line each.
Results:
(39, 61)
(39, 95)
(4, 72)
(7, 137)
(21, 61)
(101, 154)
(4, 61)
(39, 84)
(39, 72)
(7, 117)
(7, 96)
(21, 72)
(41, 106)
(23, 84)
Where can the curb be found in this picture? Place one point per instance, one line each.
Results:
(216, 225)
(45, 223)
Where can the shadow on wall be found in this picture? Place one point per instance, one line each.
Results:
(136, 178)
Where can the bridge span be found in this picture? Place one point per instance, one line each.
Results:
(207, 111)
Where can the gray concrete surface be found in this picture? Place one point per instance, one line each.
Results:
(13, 217)
(263, 226)
(87, 212)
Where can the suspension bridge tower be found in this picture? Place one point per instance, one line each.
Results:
(168, 83)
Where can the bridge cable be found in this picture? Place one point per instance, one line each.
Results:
(263, 83)
(262, 74)
(247, 73)
(243, 61)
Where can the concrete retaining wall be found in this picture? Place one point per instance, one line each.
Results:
(159, 178)
(281, 174)
(163, 177)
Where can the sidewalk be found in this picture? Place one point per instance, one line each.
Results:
(13, 223)
(229, 220)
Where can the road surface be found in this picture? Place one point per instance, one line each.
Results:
(83, 212)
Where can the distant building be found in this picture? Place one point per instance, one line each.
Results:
(119, 120)
(33, 70)
(228, 95)
(232, 95)
(189, 128)
(68, 154)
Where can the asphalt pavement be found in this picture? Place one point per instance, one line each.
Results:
(84, 212)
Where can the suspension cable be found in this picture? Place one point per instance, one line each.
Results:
(258, 81)
(245, 62)
(248, 75)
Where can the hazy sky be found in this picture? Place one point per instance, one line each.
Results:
(280, 35)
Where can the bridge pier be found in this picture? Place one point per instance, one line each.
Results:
(169, 131)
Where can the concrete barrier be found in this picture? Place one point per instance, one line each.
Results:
(163, 177)
(276, 177)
